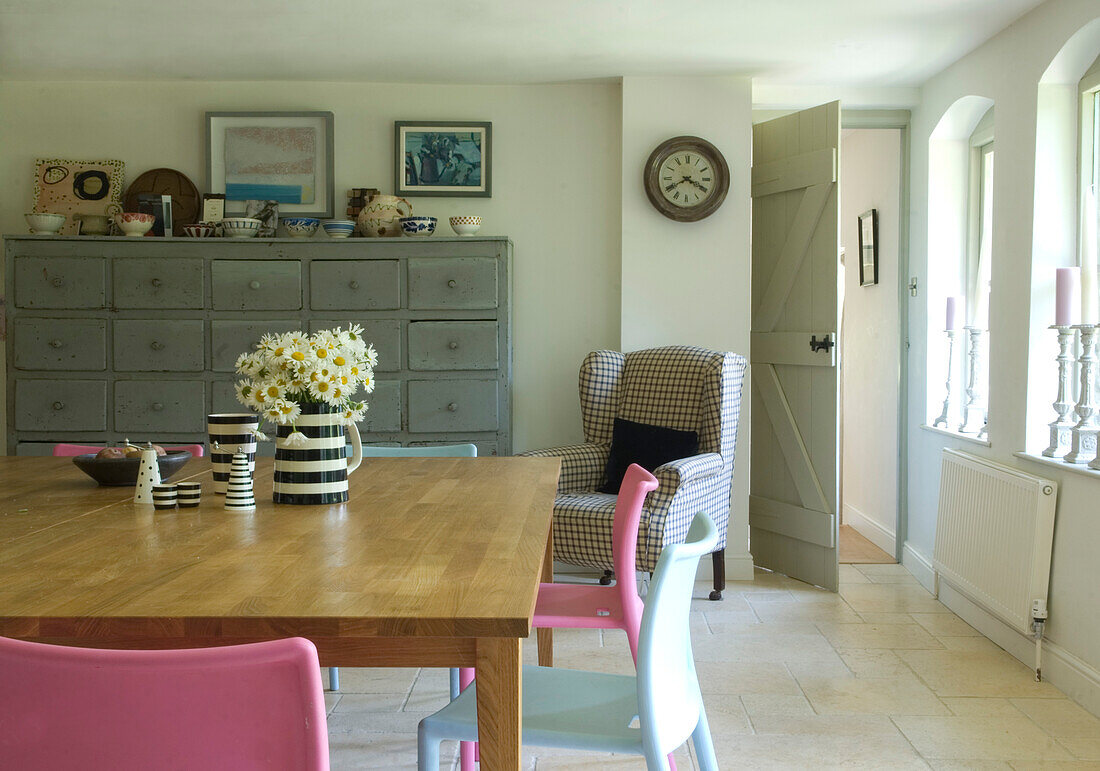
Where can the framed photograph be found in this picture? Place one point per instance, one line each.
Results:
(443, 158)
(213, 207)
(271, 156)
(868, 248)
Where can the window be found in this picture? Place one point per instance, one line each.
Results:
(1090, 178)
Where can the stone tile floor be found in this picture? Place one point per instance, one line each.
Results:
(878, 676)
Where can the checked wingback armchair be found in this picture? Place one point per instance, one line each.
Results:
(676, 387)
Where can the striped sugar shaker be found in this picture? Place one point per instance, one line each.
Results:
(229, 430)
(239, 495)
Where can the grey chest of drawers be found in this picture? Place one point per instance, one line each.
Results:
(113, 337)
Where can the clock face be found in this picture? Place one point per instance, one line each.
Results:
(686, 178)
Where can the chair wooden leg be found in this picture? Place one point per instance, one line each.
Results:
(605, 579)
(718, 561)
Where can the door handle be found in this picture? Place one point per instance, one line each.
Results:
(824, 344)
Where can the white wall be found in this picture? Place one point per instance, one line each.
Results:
(870, 179)
(556, 188)
(688, 282)
(1007, 70)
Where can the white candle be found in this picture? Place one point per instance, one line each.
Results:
(1067, 305)
(955, 306)
(1090, 300)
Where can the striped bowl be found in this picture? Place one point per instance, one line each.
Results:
(339, 228)
(240, 227)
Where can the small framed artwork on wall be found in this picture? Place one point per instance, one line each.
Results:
(271, 156)
(443, 158)
(868, 248)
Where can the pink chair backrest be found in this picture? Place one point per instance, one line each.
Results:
(637, 483)
(255, 706)
(69, 450)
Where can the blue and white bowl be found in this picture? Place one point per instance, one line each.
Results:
(240, 227)
(339, 228)
(301, 227)
(418, 226)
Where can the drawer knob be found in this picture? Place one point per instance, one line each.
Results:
(157, 406)
(156, 345)
(253, 284)
(353, 284)
(452, 407)
(155, 282)
(58, 281)
(452, 345)
(452, 283)
(55, 344)
(59, 406)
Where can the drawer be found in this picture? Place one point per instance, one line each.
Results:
(435, 345)
(257, 285)
(229, 339)
(157, 283)
(68, 344)
(60, 282)
(385, 336)
(149, 407)
(60, 405)
(34, 449)
(158, 345)
(354, 285)
(384, 407)
(446, 283)
(452, 405)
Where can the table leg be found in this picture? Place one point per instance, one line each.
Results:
(499, 702)
(546, 636)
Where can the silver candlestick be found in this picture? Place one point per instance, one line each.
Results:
(974, 411)
(943, 418)
(1061, 426)
(1082, 441)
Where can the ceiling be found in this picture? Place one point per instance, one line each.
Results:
(838, 42)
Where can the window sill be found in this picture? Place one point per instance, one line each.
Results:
(956, 435)
(1077, 468)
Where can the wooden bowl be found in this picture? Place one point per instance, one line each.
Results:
(120, 472)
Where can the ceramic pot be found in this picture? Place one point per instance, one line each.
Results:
(233, 432)
(134, 223)
(44, 223)
(381, 217)
(316, 471)
(93, 224)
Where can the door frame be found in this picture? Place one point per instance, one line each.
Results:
(896, 119)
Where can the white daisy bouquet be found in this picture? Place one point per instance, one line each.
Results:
(291, 369)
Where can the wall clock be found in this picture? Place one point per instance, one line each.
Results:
(686, 178)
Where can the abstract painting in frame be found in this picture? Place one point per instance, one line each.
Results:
(68, 187)
(443, 158)
(868, 248)
(272, 156)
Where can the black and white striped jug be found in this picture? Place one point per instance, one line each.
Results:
(315, 471)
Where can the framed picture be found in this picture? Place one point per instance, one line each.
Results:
(868, 248)
(443, 158)
(77, 187)
(271, 156)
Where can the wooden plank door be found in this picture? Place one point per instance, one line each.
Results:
(794, 484)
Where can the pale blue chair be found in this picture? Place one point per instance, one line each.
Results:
(439, 451)
(594, 711)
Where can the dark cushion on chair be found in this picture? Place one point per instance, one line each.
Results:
(648, 446)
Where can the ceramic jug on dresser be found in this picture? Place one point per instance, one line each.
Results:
(381, 216)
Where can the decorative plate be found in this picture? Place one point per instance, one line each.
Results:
(186, 201)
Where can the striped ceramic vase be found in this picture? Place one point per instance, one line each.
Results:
(232, 432)
(315, 471)
(239, 495)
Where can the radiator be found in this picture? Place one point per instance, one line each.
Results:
(994, 534)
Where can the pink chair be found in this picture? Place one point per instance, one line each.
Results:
(591, 606)
(255, 706)
(69, 450)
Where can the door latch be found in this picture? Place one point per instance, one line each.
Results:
(823, 344)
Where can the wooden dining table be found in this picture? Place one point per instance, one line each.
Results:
(432, 562)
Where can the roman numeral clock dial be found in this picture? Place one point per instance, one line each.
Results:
(686, 178)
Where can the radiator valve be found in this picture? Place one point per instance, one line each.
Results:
(1039, 610)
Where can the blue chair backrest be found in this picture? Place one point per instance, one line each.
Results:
(668, 689)
(440, 451)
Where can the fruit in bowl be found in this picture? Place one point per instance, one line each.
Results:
(134, 223)
(118, 466)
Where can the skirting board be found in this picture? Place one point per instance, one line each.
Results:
(1065, 671)
(873, 531)
(739, 567)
